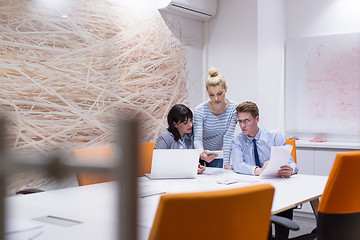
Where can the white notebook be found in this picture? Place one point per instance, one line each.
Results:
(174, 163)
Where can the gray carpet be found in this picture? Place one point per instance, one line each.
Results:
(307, 223)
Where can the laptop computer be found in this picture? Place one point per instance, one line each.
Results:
(174, 163)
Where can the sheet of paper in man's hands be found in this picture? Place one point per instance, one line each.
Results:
(279, 156)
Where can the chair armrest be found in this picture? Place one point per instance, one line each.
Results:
(284, 222)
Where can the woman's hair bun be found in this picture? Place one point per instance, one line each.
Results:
(213, 72)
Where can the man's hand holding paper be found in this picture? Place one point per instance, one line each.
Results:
(277, 165)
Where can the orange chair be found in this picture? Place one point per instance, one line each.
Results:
(293, 151)
(145, 157)
(241, 213)
(92, 155)
(106, 154)
(339, 207)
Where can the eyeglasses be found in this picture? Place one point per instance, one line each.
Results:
(245, 122)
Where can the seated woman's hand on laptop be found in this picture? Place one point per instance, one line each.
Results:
(207, 157)
(201, 168)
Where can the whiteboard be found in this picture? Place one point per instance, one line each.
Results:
(322, 86)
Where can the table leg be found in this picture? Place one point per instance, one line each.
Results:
(314, 205)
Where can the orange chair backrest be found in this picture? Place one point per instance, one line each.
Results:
(106, 154)
(145, 157)
(342, 191)
(293, 151)
(241, 213)
(93, 155)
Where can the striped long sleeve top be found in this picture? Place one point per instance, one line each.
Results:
(214, 132)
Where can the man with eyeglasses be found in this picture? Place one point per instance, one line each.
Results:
(250, 152)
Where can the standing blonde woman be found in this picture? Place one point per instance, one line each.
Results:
(214, 122)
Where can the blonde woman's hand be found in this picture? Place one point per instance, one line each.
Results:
(207, 157)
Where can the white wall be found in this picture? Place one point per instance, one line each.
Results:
(271, 36)
(190, 32)
(306, 18)
(233, 47)
(246, 44)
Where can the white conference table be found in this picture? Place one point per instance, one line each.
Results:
(95, 206)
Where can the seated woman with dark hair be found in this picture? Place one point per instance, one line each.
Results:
(179, 134)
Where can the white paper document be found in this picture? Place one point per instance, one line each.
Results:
(214, 171)
(238, 179)
(279, 156)
(146, 190)
(149, 192)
